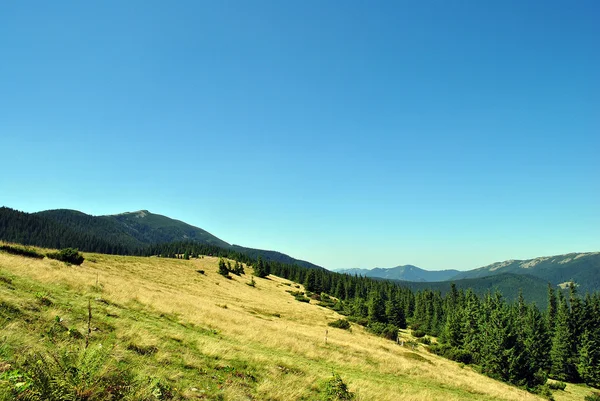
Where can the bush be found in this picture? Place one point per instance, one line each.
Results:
(67, 255)
(302, 298)
(337, 390)
(21, 251)
(67, 375)
(418, 333)
(455, 354)
(388, 331)
(557, 385)
(425, 340)
(340, 324)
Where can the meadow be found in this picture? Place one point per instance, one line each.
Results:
(176, 329)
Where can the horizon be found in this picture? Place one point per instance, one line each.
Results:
(330, 269)
(446, 136)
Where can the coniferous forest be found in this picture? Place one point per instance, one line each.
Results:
(514, 341)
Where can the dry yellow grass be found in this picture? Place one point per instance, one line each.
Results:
(262, 327)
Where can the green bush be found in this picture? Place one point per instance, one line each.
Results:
(425, 340)
(557, 385)
(455, 354)
(337, 390)
(418, 333)
(66, 375)
(67, 255)
(388, 331)
(21, 251)
(302, 298)
(340, 324)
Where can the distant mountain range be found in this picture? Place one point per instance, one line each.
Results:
(124, 233)
(580, 268)
(404, 273)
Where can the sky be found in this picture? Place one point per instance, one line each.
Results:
(443, 134)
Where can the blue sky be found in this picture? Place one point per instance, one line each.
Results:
(347, 133)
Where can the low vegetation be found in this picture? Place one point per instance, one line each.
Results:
(157, 332)
(22, 251)
(340, 324)
(67, 255)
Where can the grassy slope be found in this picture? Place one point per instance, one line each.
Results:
(219, 338)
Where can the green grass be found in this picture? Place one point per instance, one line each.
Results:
(159, 330)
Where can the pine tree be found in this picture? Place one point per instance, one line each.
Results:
(551, 312)
(223, 271)
(262, 269)
(471, 328)
(394, 314)
(310, 282)
(588, 365)
(562, 351)
(376, 308)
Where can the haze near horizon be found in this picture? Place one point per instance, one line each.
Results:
(347, 134)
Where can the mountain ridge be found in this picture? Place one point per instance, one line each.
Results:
(125, 233)
(404, 273)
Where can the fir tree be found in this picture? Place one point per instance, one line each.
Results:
(588, 365)
(562, 351)
(223, 271)
(376, 308)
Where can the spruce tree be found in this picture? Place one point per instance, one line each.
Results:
(223, 271)
(588, 365)
(376, 308)
(562, 351)
(551, 312)
(394, 314)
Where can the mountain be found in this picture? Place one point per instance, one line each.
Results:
(129, 233)
(534, 289)
(134, 228)
(582, 268)
(404, 273)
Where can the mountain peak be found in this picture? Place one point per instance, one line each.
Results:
(138, 214)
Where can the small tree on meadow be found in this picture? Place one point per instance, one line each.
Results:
(223, 271)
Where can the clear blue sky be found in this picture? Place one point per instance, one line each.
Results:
(445, 134)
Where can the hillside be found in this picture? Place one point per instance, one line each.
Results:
(133, 228)
(404, 273)
(534, 289)
(582, 268)
(130, 233)
(204, 336)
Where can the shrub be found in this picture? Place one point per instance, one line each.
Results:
(21, 251)
(455, 354)
(388, 331)
(340, 324)
(302, 298)
(557, 385)
(425, 340)
(337, 390)
(67, 375)
(223, 270)
(67, 255)
(418, 333)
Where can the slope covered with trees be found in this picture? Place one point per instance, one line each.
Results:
(133, 233)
